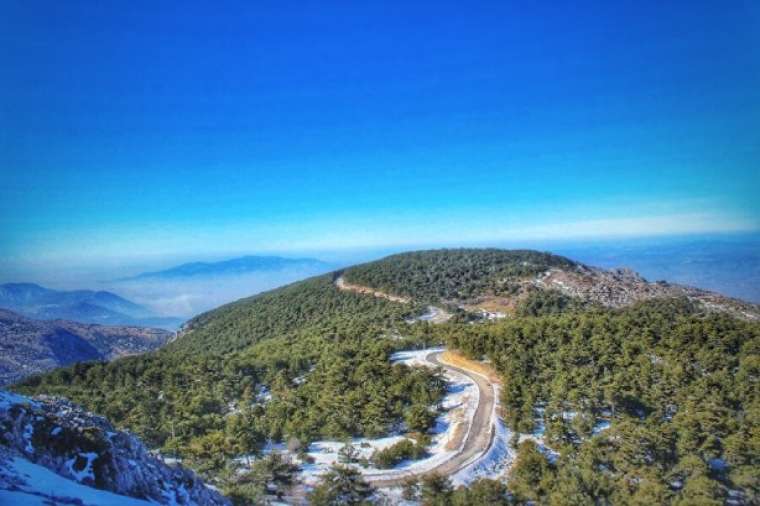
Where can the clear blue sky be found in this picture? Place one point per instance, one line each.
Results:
(138, 130)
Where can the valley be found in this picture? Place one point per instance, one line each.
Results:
(30, 346)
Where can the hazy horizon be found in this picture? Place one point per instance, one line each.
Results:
(726, 263)
(262, 128)
(345, 132)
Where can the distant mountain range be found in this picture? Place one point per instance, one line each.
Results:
(30, 346)
(235, 266)
(105, 308)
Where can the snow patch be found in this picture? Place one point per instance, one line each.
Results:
(42, 486)
(87, 471)
(27, 435)
(601, 426)
(494, 463)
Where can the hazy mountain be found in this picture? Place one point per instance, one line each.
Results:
(235, 266)
(88, 306)
(30, 346)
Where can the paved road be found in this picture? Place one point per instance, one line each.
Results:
(479, 437)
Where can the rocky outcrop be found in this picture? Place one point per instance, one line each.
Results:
(622, 287)
(77, 445)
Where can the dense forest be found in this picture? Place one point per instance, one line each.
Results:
(656, 403)
(456, 274)
(678, 388)
(306, 361)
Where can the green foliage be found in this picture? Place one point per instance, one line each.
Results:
(208, 454)
(531, 476)
(342, 486)
(272, 475)
(480, 493)
(405, 449)
(435, 490)
(546, 302)
(453, 274)
(348, 454)
(418, 418)
(679, 387)
(318, 351)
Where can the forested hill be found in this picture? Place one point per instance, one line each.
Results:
(506, 280)
(310, 305)
(453, 274)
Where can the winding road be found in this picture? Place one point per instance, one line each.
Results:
(477, 442)
(480, 430)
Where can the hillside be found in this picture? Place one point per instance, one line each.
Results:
(670, 372)
(32, 346)
(88, 306)
(502, 280)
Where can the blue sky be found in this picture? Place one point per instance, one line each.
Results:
(138, 131)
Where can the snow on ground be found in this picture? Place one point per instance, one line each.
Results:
(601, 426)
(41, 484)
(87, 471)
(458, 406)
(496, 461)
(432, 314)
(415, 357)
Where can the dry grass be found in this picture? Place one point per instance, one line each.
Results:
(342, 284)
(459, 360)
(457, 435)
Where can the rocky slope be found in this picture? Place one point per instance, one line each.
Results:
(622, 287)
(83, 448)
(31, 346)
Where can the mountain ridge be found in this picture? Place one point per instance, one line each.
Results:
(33, 346)
(87, 306)
(239, 265)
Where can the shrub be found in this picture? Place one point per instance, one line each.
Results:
(403, 450)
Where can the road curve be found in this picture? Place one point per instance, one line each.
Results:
(478, 440)
(482, 426)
